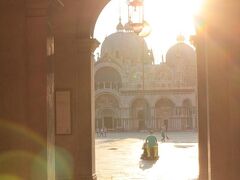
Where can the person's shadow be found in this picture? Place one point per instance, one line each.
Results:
(145, 164)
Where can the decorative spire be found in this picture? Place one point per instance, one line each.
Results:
(120, 26)
(180, 38)
(128, 25)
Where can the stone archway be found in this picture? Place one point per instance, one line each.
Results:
(26, 71)
(164, 109)
(107, 78)
(107, 107)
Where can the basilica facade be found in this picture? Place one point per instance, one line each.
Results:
(133, 93)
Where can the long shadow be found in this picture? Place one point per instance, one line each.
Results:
(143, 164)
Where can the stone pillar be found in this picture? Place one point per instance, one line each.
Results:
(221, 38)
(218, 110)
(234, 79)
(37, 82)
(87, 110)
(199, 42)
(74, 71)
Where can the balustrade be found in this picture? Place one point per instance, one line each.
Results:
(108, 85)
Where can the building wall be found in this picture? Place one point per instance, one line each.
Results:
(161, 81)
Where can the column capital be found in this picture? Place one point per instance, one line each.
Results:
(87, 44)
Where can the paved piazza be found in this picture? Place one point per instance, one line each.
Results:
(118, 157)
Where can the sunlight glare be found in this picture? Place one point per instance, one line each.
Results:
(167, 18)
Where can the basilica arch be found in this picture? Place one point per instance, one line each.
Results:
(140, 114)
(164, 113)
(114, 66)
(107, 112)
(108, 78)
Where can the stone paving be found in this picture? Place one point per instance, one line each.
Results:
(118, 157)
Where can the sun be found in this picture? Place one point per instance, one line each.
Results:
(172, 15)
(167, 18)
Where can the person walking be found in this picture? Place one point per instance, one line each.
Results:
(166, 128)
(102, 132)
(163, 134)
(105, 131)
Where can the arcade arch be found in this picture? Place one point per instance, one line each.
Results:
(140, 112)
(164, 109)
(107, 111)
(212, 56)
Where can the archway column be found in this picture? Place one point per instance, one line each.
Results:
(85, 166)
(74, 73)
(218, 69)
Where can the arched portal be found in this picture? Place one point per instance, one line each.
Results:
(107, 111)
(140, 114)
(164, 109)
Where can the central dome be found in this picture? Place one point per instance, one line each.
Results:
(126, 45)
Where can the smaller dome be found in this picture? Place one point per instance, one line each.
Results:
(127, 45)
(180, 53)
(128, 26)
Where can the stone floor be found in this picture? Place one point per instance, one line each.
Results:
(118, 157)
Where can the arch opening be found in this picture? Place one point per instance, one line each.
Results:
(140, 111)
(107, 112)
(153, 86)
(164, 111)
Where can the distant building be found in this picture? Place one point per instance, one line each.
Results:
(133, 93)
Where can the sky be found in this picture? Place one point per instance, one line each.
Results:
(167, 18)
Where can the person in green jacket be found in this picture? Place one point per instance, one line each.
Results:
(152, 150)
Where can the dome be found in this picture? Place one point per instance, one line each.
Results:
(181, 53)
(125, 45)
(128, 26)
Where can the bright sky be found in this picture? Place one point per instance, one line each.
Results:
(167, 18)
